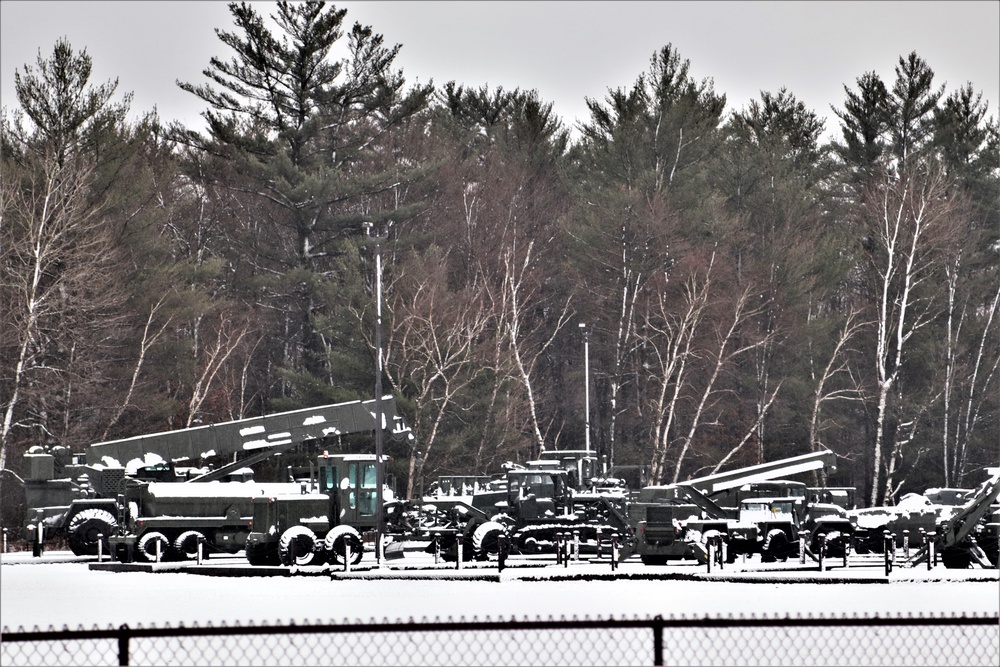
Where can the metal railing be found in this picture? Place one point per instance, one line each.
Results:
(792, 640)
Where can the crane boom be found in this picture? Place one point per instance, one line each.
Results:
(272, 433)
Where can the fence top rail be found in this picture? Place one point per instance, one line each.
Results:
(426, 625)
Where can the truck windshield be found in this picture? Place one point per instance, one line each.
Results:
(362, 478)
(327, 478)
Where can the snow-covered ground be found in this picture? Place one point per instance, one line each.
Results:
(59, 590)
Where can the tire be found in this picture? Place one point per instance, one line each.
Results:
(775, 546)
(486, 540)
(334, 543)
(836, 544)
(146, 548)
(259, 554)
(297, 546)
(186, 545)
(654, 560)
(504, 520)
(84, 528)
(956, 558)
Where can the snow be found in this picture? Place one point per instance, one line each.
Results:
(66, 593)
(149, 460)
(60, 593)
(218, 489)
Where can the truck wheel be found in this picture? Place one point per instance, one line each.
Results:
(504, 520)
(486, 540)
(297, 546)
(86, 526)
(186, 544)
(956, 558)
(147, 545)
(333, 545)
(836, 544)
(260, 554)
(653, 560)
(775, 546)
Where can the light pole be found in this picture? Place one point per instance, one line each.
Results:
(379, 417)
(586, 378)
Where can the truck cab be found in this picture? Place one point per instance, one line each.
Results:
(308, 528)
(768, 526)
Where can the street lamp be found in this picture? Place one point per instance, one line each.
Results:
(586, 378)
(379, 417)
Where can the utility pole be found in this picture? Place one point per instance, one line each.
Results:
(586, 378)
(379, 416)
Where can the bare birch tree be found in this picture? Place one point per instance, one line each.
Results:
(44, 224)
(827, 388)
(971, 362)
(908, 217)
(677, 344)
(433, 349)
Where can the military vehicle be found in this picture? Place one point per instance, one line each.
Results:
(91, 494)
(672, 521)
(560, 493)
(334, 524)
(964, 523)
(310, 528)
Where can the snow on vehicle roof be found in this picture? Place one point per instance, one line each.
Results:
(218, 489)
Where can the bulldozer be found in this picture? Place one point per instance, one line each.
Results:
(559, 494)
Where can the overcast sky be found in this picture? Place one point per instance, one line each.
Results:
(567, 51)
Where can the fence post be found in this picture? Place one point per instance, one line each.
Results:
(100, 547)
(906, 544)
(931, 555)
(437, 547)
(599, 537)
(458, 560)
(802, 546)
(559, 550)
(501, 551)
(576, 544)
(822, 552)
(5, 540)
(658, 640)
(201, 542)
(614, 551)
(847, 548)
(123, 637)
(711, 553)
(37, 548)
(347, 555)
(887, 549)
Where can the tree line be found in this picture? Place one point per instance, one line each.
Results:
(744, 290)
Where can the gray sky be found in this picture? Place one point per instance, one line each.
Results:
(565, 50)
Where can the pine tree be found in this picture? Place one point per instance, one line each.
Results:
(307, 136)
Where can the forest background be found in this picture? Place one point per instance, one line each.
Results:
(740, 289)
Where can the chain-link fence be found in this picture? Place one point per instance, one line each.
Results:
(896, 640)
